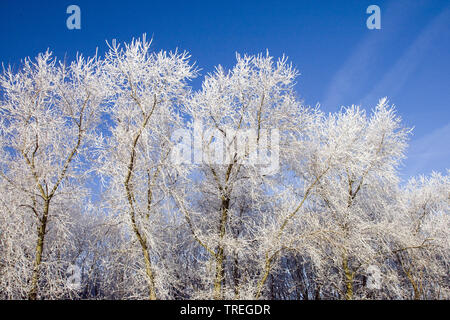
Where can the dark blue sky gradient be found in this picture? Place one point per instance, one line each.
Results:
(340, 60)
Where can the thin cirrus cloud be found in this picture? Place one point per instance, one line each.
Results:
(356, 72)
(396, 77)
(429, 153)
(352, 81)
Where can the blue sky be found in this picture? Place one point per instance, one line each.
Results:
(341, 61)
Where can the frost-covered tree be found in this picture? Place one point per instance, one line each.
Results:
(48, 114)
(241, 119)
(144, 89)
(233, 191)
(354, 200)
(420, 244)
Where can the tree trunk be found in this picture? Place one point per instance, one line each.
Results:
(348, 279)
(32, 295)
(148, 266)
(220, 256)
(130, 196)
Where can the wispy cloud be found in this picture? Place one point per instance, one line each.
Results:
(428, 153)
(357, 69)
(351, 81)
(396, 77)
